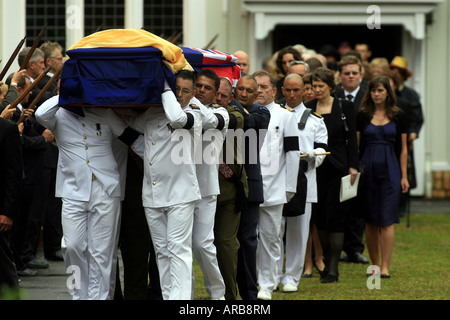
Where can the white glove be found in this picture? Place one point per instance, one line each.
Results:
(289, 196)
(310, 156)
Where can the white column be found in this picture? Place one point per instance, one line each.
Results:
(74, 21)
(134, 14)
(12, 31)
(194, 22)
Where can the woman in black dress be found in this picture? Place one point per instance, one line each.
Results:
(339, 118)
(382, 136)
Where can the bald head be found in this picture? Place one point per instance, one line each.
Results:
(293, 90)
(243, 61)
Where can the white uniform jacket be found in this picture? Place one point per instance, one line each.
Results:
(279, 156)
(169, 169)
(215, 126)
(313, 137)
(85, 149)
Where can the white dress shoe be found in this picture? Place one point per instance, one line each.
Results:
(264, 295)
(289, 287)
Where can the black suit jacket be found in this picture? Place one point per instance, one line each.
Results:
(343, 156)
(37, 90)
(11, 169)
(340, 93)
(10, 97)
(34, 148)
(256, 118)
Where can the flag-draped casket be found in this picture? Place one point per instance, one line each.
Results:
(127, 68)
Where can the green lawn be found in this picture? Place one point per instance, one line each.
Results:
(420, 268)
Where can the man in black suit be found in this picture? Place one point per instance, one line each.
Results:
(34, 68)
(10, 179)
(256, 117)
(52, 56)
(52, 231)
(352, 88)
(26, 233)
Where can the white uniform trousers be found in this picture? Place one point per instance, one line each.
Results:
(89, 243)
(297, 232)
(269, 246)
(171, 231)
(204, 249)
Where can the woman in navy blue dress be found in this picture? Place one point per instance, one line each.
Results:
(382, 136)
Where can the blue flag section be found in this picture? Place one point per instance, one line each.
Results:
(114, 77)
(129, 77)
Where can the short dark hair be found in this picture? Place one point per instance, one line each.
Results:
(211, 75)
(349, 59)
(22, 83)
(325, 75)
(308, 79)
(187, 75)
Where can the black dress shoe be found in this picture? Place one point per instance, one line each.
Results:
(329, 279)
(357, 258)
(385, 276)
(54, 256)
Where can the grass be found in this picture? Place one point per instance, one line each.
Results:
(419, 268)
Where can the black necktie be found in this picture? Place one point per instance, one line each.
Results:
(350, 97)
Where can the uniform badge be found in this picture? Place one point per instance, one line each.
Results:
(99, 130)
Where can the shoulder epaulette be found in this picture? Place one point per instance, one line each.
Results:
(318, 115)
(194, 106)
(215, 105)
(287, 108)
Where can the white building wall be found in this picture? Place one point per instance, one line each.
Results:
(437, 88)
(12, 30)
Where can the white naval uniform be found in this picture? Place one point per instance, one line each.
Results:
(279, 170)
(89, 184)
(170, 190)
(313, 137)
(205, 209)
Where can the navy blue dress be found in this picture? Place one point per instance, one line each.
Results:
(381, 186)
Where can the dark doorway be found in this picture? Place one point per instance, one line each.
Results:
(385, 42)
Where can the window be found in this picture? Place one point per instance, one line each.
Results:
(50, 12)
(164, 18)
(103, 15)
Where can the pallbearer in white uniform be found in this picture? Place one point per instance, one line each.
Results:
(88, 182)
(279, 168)
(170, 187)
(215, 125)
(313, 140)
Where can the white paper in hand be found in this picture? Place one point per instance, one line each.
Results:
(348, 190)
